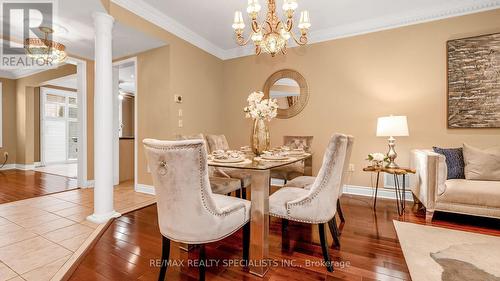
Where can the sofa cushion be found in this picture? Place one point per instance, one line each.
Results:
(471, 192)
(482, 164)
(454, 161)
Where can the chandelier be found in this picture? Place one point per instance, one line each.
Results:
(272, 35)
(44, 50)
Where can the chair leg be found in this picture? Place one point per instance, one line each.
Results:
(332, 224)
(202, 260)
(246, 242)
(324, 247)
(339, 210)
(284, 225)
(165, 253)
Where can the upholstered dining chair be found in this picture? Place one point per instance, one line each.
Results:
(297, 169)
(220, 182)
(219, 142)
(318, 204)
(307, 181)
(180, 178)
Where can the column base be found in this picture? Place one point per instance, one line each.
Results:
(99, 219)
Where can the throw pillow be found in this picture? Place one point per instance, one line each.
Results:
(482, 164)
(454, 161)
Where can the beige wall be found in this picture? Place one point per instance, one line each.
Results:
(8, 120)
(25, 110)
(179, 68)
(355, 80)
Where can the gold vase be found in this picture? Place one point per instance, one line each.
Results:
(260, 137)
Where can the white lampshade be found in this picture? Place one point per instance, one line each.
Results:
(238, 23)
(392, 126)
(304, 21)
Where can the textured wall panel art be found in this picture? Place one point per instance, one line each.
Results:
(474, 82)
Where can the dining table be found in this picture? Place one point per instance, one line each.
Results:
(259, 169)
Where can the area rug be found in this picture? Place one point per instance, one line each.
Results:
(435, 254)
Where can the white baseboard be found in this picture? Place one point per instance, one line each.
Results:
(8, 167)
(38, 164)
(25, 167)
(144, 188)
(368, 191)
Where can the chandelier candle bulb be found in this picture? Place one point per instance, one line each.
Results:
(305, 22)
(290, 5)
(238, 24)
(253, 8)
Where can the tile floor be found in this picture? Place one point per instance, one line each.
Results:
(39, 235)
(65, 170)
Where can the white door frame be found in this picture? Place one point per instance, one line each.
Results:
(81, 91)
(43, 95)
(117, 143)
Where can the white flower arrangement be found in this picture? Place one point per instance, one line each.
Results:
(258, 108)
(377, 158)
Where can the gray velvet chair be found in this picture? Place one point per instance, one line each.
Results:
(219, 142)
(188, 211)
(307, 181)
(318, 204)
(294, 170)
(220, 182)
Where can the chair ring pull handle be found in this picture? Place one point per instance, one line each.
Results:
(163, 168)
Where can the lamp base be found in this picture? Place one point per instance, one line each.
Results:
(391, 154)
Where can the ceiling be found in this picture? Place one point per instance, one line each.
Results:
(207, 24)
(68, 81)
(74, 28)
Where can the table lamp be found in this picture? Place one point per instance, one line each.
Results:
(392, 126)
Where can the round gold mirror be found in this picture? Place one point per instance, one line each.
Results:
(290, 89)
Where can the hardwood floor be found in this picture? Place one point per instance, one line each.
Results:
(17, 185)
(369, 247)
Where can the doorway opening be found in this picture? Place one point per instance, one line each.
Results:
(59, 131)
(125, 148)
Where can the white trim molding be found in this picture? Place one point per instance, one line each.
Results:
(370, 192)
(25, 167)
(441, 11)
(8, 167)
(144, 188)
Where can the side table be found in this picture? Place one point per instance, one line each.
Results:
(400, 190)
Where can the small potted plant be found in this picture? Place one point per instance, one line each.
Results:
(377, 159)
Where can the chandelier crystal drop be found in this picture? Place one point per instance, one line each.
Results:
(272, 34)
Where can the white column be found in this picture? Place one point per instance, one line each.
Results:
(103, 120)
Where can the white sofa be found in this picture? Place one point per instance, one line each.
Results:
(436, 193)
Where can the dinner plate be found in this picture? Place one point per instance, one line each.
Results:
(296, 153)
(229, 160)
(274, 157)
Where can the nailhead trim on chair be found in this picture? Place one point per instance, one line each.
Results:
(318, 190)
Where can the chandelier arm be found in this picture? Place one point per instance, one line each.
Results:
(289, 24)
(241, 40)
(255, 26)
(301, 41)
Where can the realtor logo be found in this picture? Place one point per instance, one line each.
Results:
(27, 35)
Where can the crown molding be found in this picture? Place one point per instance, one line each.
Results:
(442, 11)
(152, 15)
